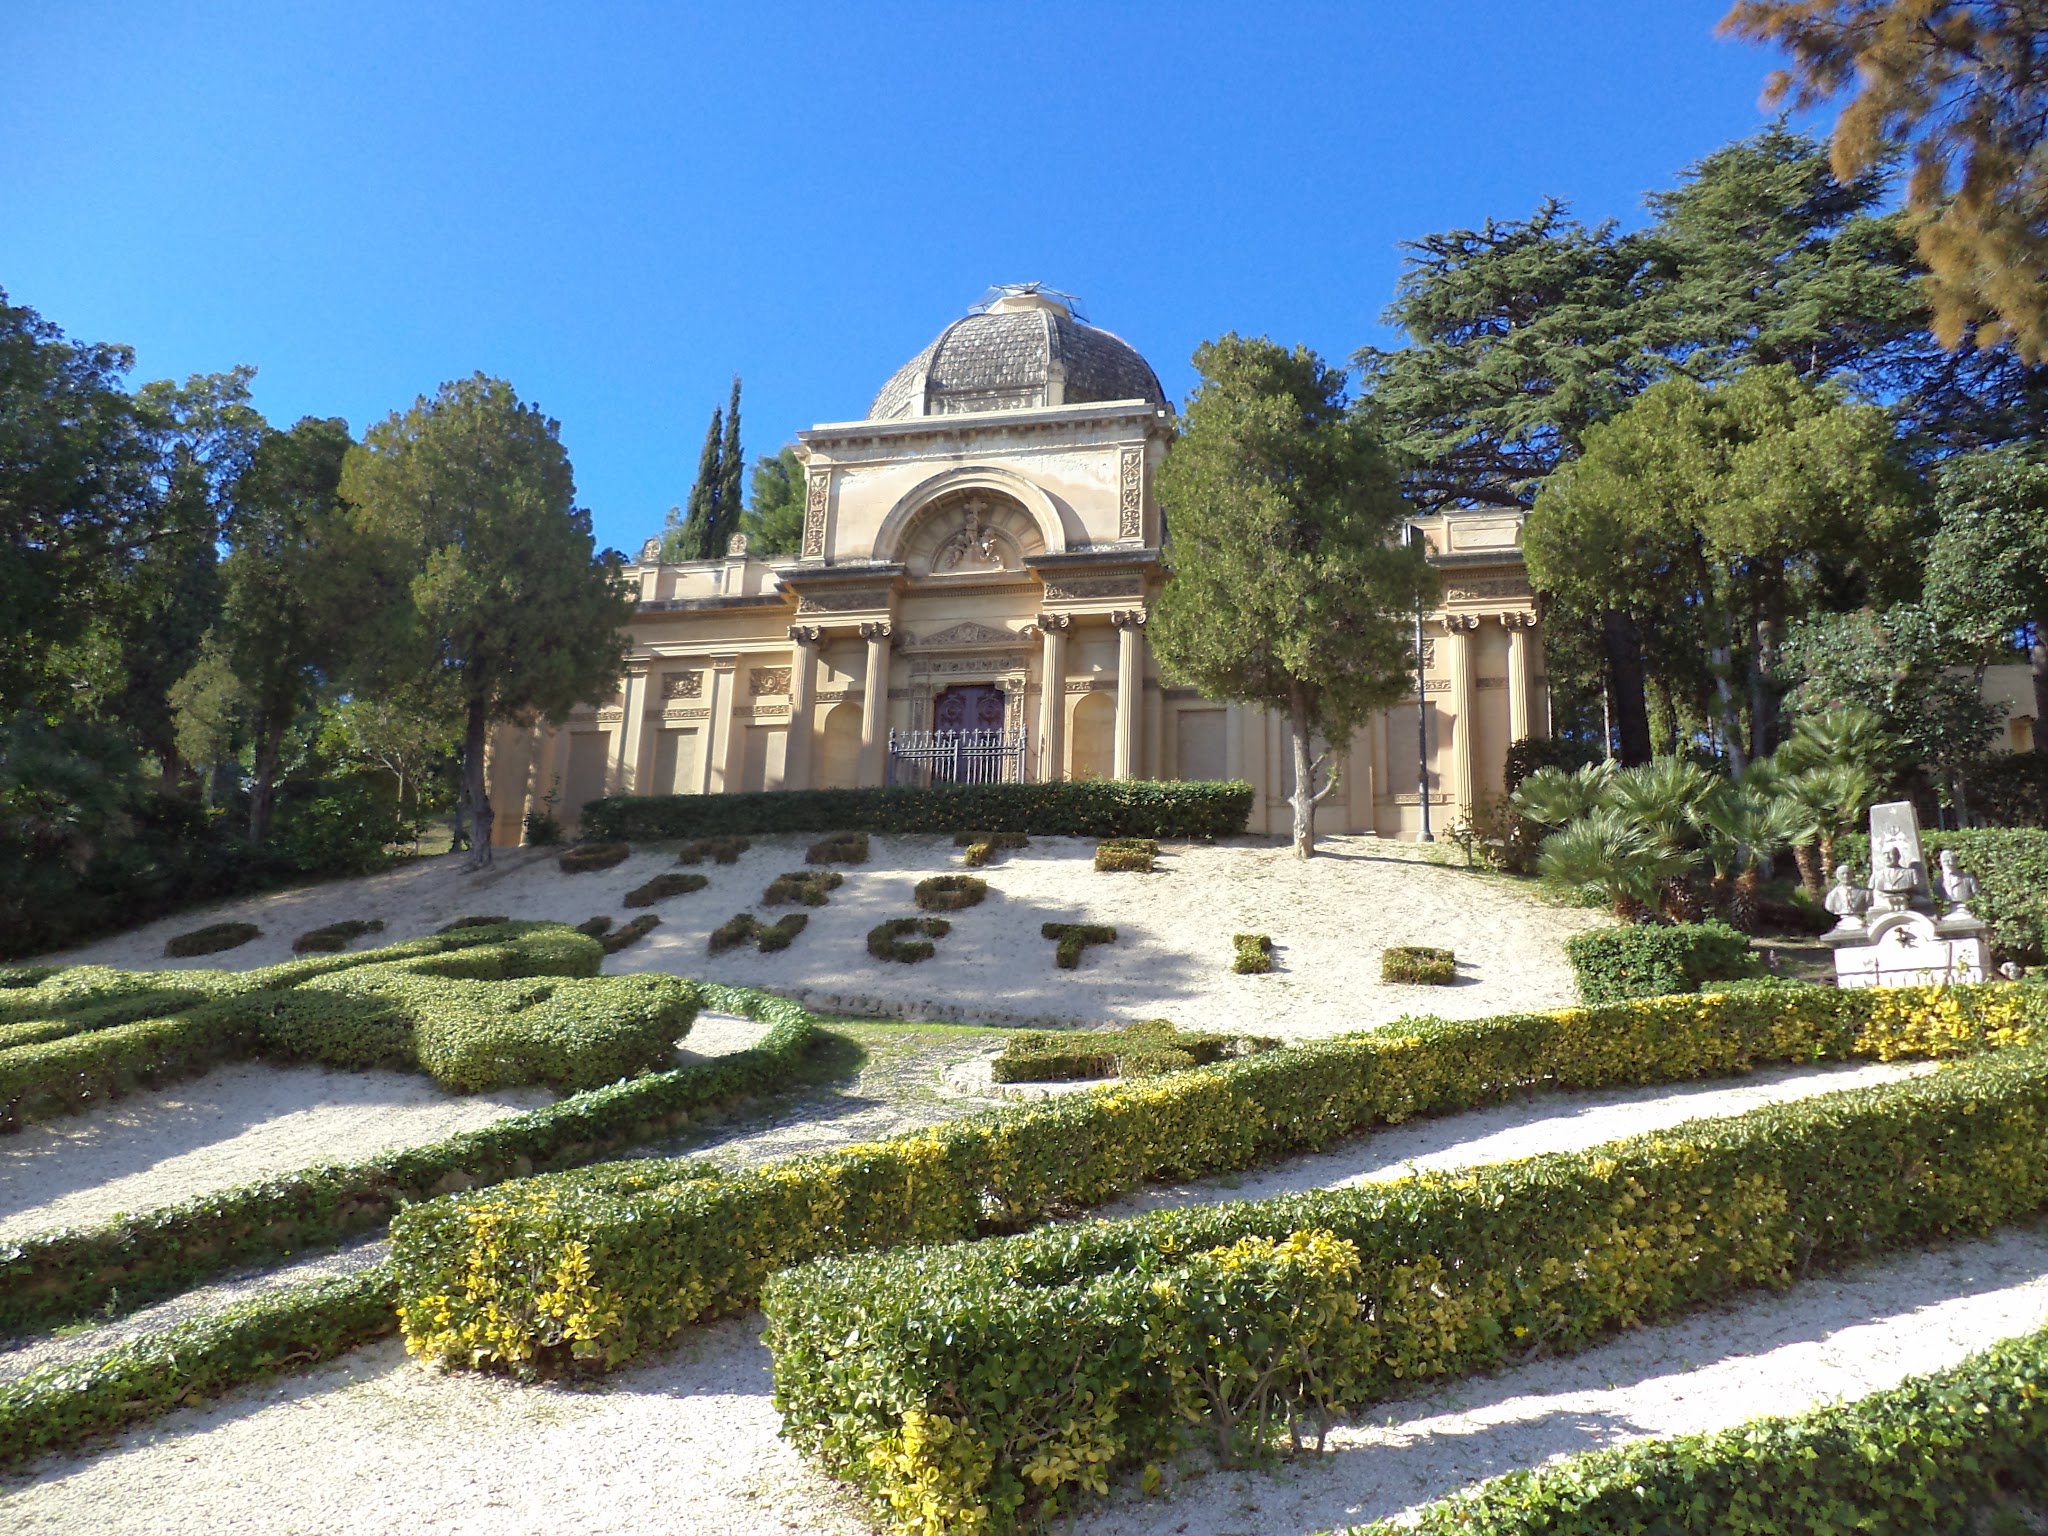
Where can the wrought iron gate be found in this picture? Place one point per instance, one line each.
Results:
(956, 757)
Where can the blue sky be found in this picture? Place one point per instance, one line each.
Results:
(618, 206)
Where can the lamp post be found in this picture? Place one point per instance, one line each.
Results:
(1421, 710)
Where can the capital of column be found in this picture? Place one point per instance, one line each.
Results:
(807, 634)
(876, 629)
(1053, 621)
(1129, 618)
(1462, 623)
(1518, 620)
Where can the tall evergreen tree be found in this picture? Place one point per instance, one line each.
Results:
(774, 519)
(687, 537)
(732, 465)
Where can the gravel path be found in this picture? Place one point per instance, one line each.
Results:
(1328, 916)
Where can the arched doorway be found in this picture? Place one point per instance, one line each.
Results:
(969, 707)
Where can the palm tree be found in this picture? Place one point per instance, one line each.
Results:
(1746, 834)
(1852, 737)
(1829, 800)
(1606, 854)
(1663, 797)
(1550, 797)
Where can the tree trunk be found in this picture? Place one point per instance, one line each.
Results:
(473, 785)
(1624, 644)
(1304, 798)
(1744, 901)
(1723, 661)
(263, 781)
(1808, 860)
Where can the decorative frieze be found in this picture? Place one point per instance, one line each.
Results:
(682, 685)
(1091, 685)
(1078, 589)
(1483, 589)
(686, 714)
(1130, 511)
(852, 600)
(817, 491)
(609, 716)
(957, 666)
(764, 680)
(961, 636)
(1492, 682)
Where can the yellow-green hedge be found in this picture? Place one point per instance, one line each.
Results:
(577, 1274)
(993, 1380)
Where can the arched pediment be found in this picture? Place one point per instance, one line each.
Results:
(975, 518)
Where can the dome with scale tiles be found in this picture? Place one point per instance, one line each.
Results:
(1022, 350)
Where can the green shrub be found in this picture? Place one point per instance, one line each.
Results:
(1253, 953)
(804, 887)
(74, 1272)
(1419, 965)
(62, 1407)
(2011, 866)
(840, 848)
(722, 850)
(1072, 938)
(472, 922)
(12, 976)
(210, 940)
(632, 933)
(950, 893)
(567, 1035)
(474, 1269)
(335, 937)
(337, 1024)
(1935, 1453)
(2010, 789)
(1655, 960)
(595, 927)
(745, 928)
(983, 846)
(1148, 1048)
(891, 940)
(585, 857)
(1069, 808)
(661, 887)
(1133, 854)
(1156, 1325)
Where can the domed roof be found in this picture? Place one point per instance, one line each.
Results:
(1022, 351)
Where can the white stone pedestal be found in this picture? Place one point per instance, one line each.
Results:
(1909, 949)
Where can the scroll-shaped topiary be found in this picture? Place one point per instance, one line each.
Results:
(803, 887)
(211, 939)
(595, 927)
(1075, 937)
(630, 933)
(950, 893)
(471, 922)
(335, 937)
(983, 846)
(1126, 854)
(585, 857)
(1419, 965)
(1254, 955)
(720, 850)
(745, 928)
(839, 848)
(892, 941)
(661, 887)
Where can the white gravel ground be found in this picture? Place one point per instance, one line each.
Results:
(1329, 918)
(687, 1442)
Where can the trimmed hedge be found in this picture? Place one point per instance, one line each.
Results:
(573, 1035)
(335, 937)
(1072, 808)
(476, 1272)
(721, 850)
(840, 848)
(2011, 866)
(1935, 1453)
(1252, 953)
(61, 1407)
(72, 1272)
(661, 887)
(891, 940)
(995, 1379)
(983, 846)
(803, 887)
(585, 857)
(1072, 938)
(1147, 1048)
(210, 940)
(632, 933)
(950, 893)
(1422, 965)
(472, 922)
(745, 928)
(1134, 855)
(1656, 959)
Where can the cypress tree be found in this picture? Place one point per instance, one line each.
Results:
(731, 465)
(692, 539)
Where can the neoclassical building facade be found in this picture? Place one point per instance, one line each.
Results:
(980, 557)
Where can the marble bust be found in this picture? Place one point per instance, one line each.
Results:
(1958, 885)
(1847, 899)
(1893, 883)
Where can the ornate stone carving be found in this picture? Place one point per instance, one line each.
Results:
(838, 695)
(686, 714)
(1518, 620)
(766, 680)
(1428, 654)
(1129, 618)
(766, 712)
(953, 666)
(1479, 590)
(650, 552)
(817, 490)
(877, 629)
(1130, 507)
(609, 716)
(968, 633)
(725, 663)
(852, 600)
(1091, 685)
(683, 685)
(1075, 589)
(1461, 623)
(736, 547)
(807, 634)
(1052, 621)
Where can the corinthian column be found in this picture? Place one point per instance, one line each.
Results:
(1459, 628)
(1130, 684)
(874, 703)
(625, 775)
(1052, 694)
(796, 757)
(1520, 697)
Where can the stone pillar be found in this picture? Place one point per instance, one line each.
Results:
(1459, 629)
(1521, 680)
(1130, 684)
(625, 774)
(1052, 695)
(803, 670)
(874, 704)
(1382, 773)
(718, 729)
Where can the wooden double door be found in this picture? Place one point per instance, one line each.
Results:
(970, 707)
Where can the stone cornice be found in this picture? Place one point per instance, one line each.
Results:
(1150, 420)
